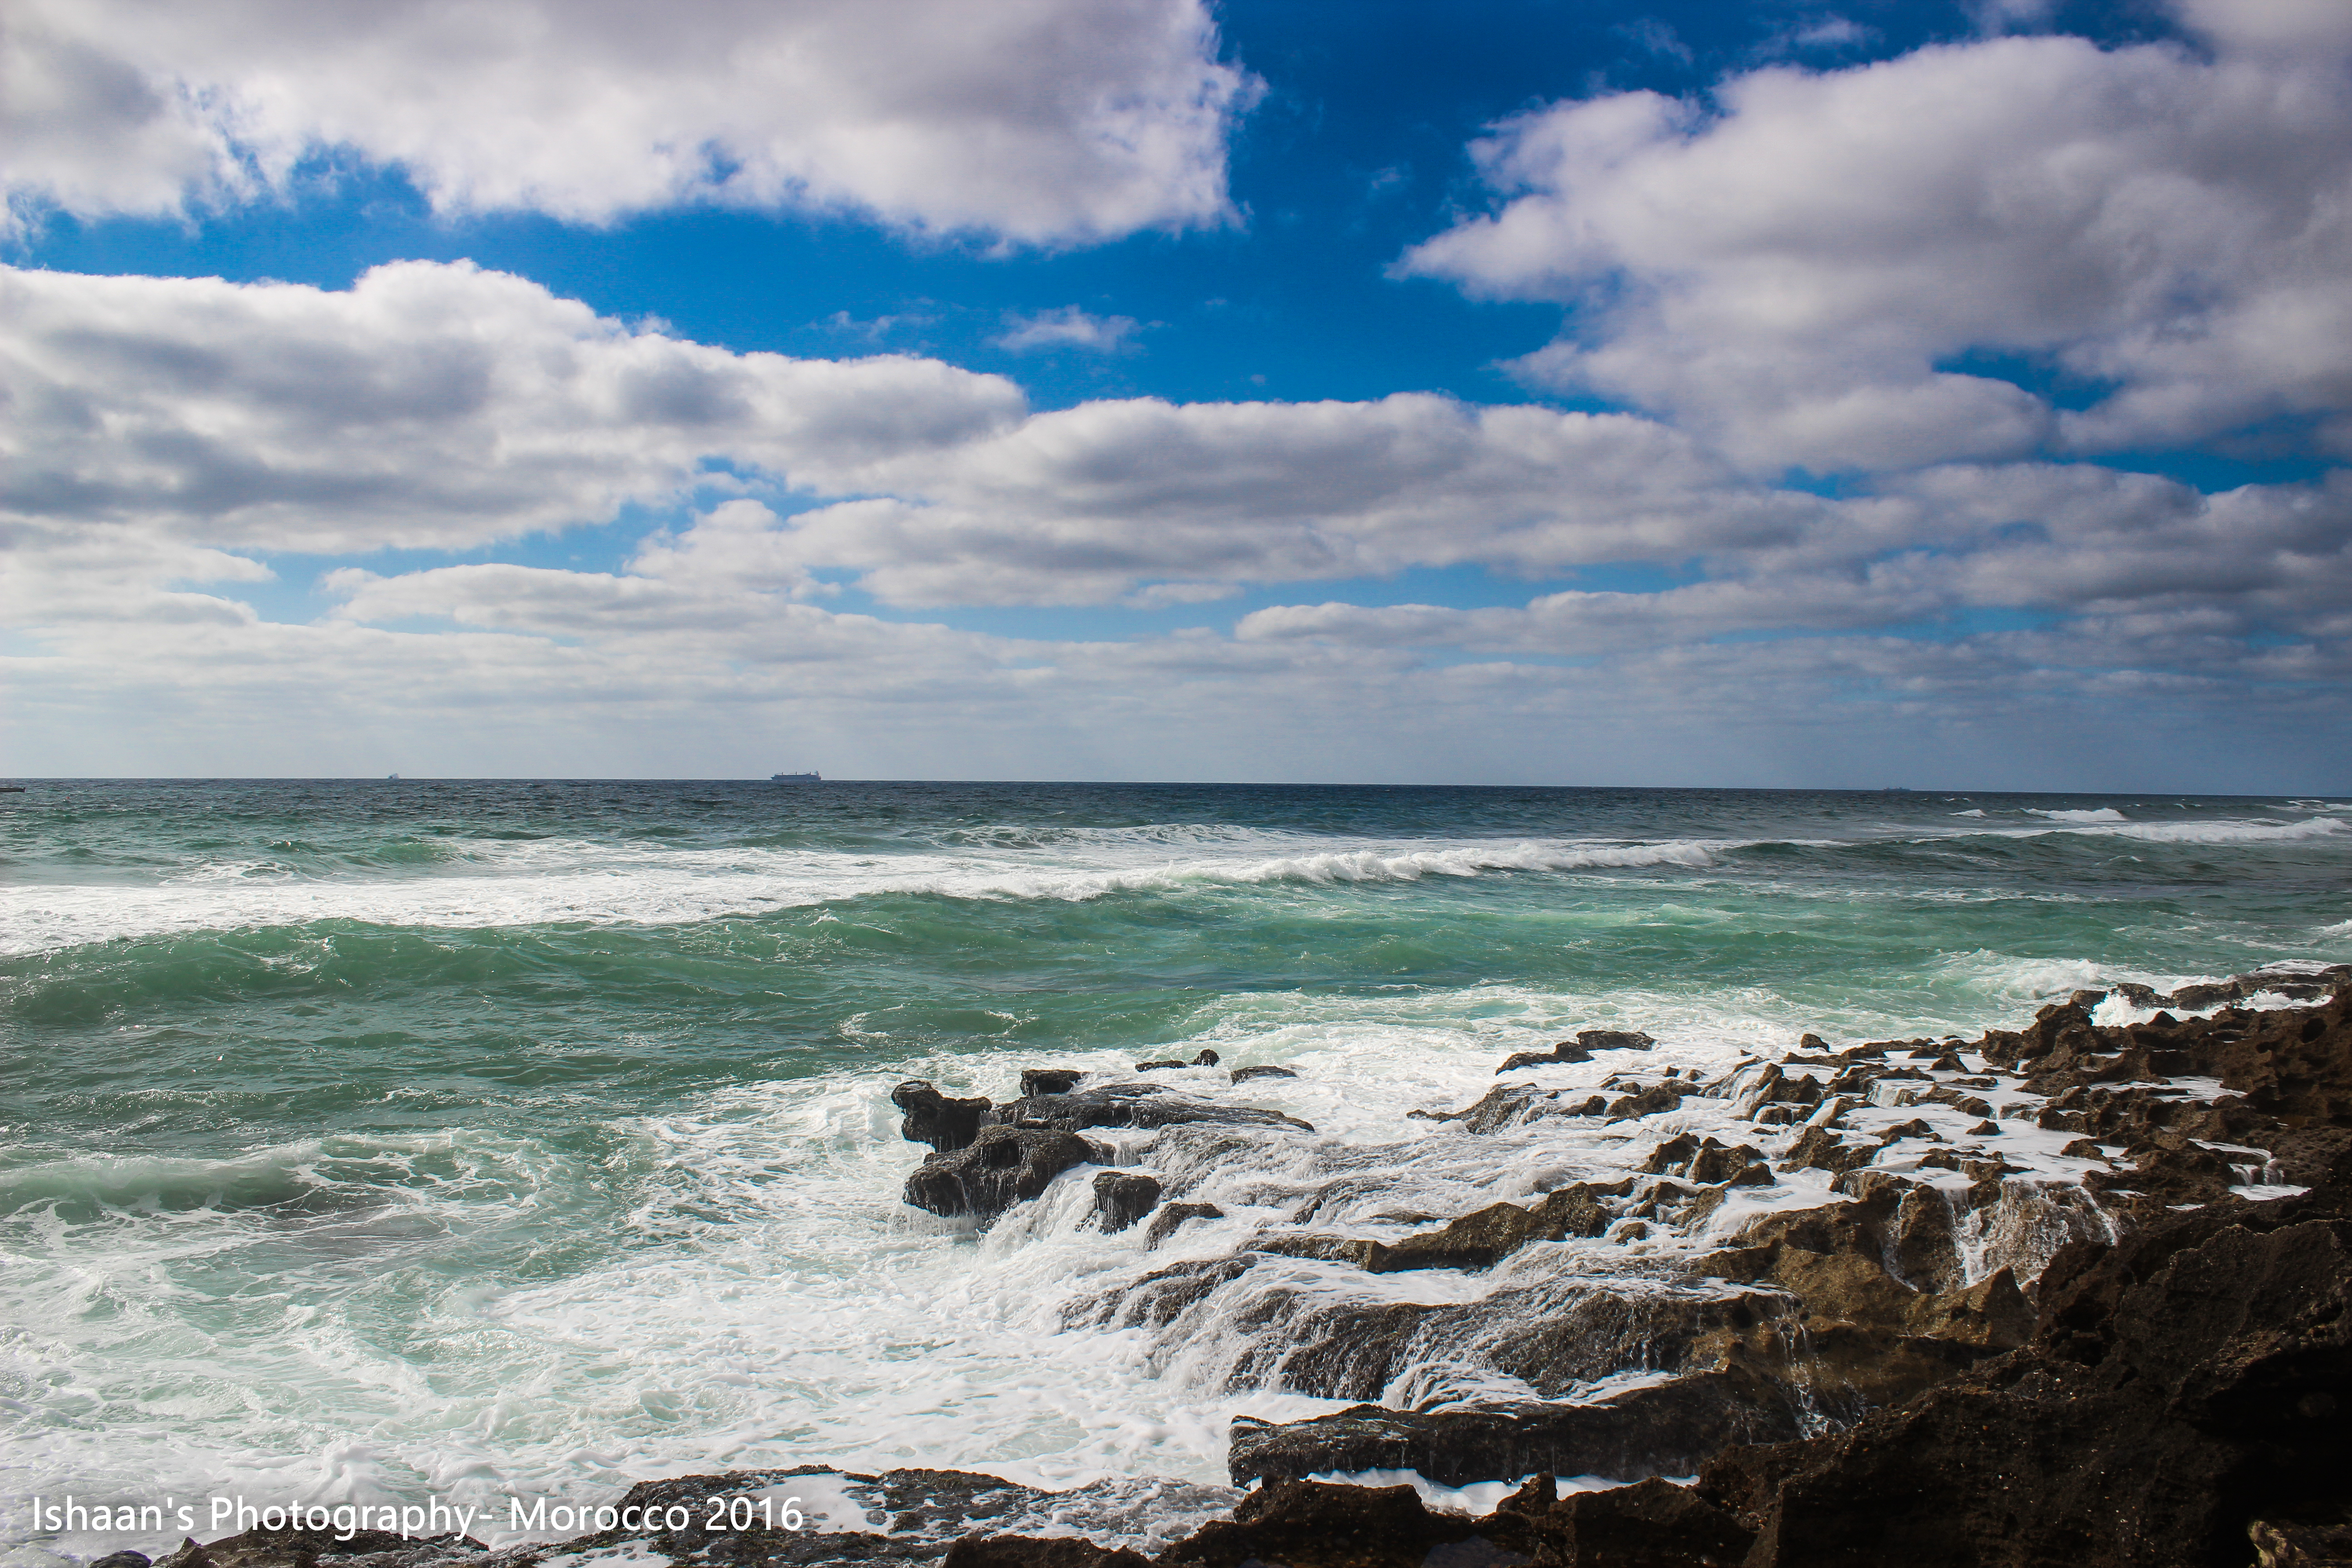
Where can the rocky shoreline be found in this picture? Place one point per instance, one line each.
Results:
(2073, 1293)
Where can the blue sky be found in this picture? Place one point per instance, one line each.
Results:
(1788, 394)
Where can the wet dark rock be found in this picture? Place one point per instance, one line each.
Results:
(1648, 1102)
(122, 1560)
(1580, 1049)
(1159, 1298)
(1242, 1075)
(2294, 1543)
(2164, 1408)
(944, 1122)
(1553, 1057)
(1172, 1217)
(1476, 1241)
(1038, 1552)
(1123, 1197)
(1674, 1155)
(1737, 1165)
(1139, 1105)
(1035, 1081)
(1509, 1105)
(296, 1548)
(1664, 1429)
(1650, 1524)
(1577, 1208)
(1207, 1058)
(2289, 1069)
(1316, 1524)
(1001, 1166)
(1708, 1160)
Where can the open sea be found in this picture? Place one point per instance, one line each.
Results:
(373, 1140)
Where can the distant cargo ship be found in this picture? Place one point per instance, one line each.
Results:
(797, 778)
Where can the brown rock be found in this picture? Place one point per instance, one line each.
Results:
(944, 1122)
(1122, 1197)
(1172, 1217)
(1036, 1551)
(1001, 1167)
(1316, 1524)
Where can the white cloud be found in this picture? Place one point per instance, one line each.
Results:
(164, 432)
(1782, 274)
(1081, 505)
(428, 406)
(1043, 121)
(1067, 328)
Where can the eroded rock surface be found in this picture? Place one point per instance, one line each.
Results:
(1001, 1166)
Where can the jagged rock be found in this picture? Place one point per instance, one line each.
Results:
(289, 1547)
(1476, 1241)
(1207, 1058)
(1507, 1105)
(1001, 1166)
(945, 1123)
(1663, 1429)
(1648, 1102)
(1122, 1197)
(1039, 1552)
(1159, 1298)
(1035, 1081)
(1166, 1222)
(1242, 1075)
(1738, 1166)
(1577, 1209)
(1139, 1105)
(1316, 1524)
(1674, 1155)
(1819, 1148)
(2288, 1544)
(1580, 1049)
(2178, 1386)
(1650, 1524)
(1563, 1052)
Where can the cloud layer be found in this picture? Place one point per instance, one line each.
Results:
(1958, 279)
(1799, 269)
(169, 439)
(1045, 121)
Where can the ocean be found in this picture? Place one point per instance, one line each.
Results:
(380, 1141)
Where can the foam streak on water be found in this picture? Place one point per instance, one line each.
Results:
(359, 1142)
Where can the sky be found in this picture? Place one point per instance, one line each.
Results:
(1508, 392)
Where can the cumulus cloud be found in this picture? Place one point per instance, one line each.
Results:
(165, 433)
(1807, 268)
(1045, 121)
(1081, 504)
(428, 406)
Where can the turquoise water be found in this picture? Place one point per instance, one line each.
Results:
(368, 1139)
